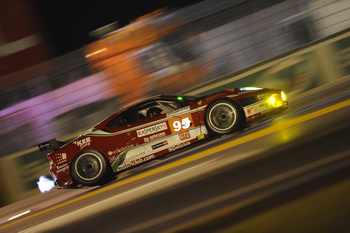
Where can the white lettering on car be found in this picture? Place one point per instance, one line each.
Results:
(184, 135)
(181, 124)
(62, 168)
(154, 137)
(151, 130)
(135, 162)
(184, 124)
(121, 149)
(82, 143)
(176, 147)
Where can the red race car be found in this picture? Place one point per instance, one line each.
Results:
(154, 127)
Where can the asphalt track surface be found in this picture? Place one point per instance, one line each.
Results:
(218, 185)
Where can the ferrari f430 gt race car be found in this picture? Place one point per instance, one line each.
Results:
(153, 127)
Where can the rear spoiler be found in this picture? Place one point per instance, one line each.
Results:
(52, 144)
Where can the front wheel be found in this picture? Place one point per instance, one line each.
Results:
(224, 117)
(90, 168)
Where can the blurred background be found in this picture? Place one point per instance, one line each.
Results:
(61, 74)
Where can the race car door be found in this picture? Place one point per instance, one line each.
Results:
(142, 125)
(170, 125)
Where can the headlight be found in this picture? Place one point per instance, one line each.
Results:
(272, 100)
(277, 100)
(283, 96)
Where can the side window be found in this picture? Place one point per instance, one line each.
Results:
(154, 111)
(138, 116)
(127, 117)
(117, 121)
(161, 107)
(156, 108)
(174, 105)
(146, 111)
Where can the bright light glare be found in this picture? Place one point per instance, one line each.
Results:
(19, 215)
(272, 100)
(250, 88)
(96, 52)
(45, 184)
(284, 96)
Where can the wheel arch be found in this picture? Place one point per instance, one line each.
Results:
(109, 170)
(236, 103)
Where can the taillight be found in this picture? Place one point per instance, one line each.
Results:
(50, 159)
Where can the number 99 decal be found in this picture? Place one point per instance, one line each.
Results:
(181, 124)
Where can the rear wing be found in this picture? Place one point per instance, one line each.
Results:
(52, 144)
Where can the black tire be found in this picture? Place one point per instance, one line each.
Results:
(91, 168)
(224, 116)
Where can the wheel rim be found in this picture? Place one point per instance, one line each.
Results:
(222, 117)
(88, 166)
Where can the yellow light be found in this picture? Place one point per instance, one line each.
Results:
(284, 96)
(272, 100)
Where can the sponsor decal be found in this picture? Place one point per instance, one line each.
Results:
(158, 145)
(112, 158)
(157, 136)
(181, 124)
(184, 135)
(135, 162)
(151, 130)
(259, 107)
(121, 149)
(251, 110)
(83, 142)
(44, 146)
(154, 137)
(61, 168)
(173, 148)
(200, 102)
(61, 158)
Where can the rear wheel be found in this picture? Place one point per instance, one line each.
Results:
(90, 168)
(223, 116)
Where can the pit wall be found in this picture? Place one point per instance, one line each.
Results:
(296, 72)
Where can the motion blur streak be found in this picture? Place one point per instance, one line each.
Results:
(246, 138)
(221, 198)
(19, 215)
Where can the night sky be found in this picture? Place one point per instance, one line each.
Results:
(68, 22)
